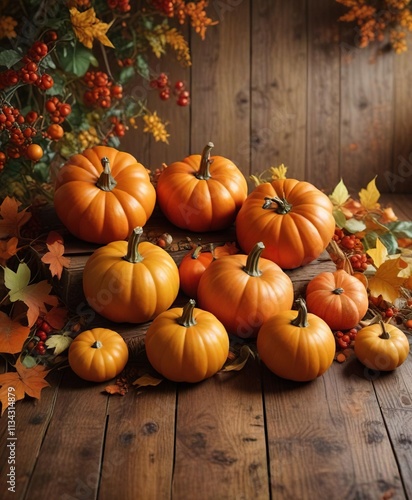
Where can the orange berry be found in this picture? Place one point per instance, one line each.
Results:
(55, 132)
(34, 152)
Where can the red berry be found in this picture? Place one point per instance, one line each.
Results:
(42, 335)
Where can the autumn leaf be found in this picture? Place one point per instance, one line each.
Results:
(57, 317)
(35, 296)
(369, 197)
(226, 249)
(87, 27)
(12, 335)
(340, 194)
(11, 219)
(378, 254)
(239, 362)
(8, 248)
(146, 380)
(24, 381)
(59, 342)
(386, 281)
(279, 172)
(54, 257)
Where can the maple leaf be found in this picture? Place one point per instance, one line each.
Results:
(386, 281)
(87, 27)
(24, 381)
(12, 335)
(54, 257)
(59, 342)
(35, 296)
(369, 197)
(8, 248)
(378, 254)
(57, 317)
(227, 249)
(12, 220)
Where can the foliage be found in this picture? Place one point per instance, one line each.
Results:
(76, 73)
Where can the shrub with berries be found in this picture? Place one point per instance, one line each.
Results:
(65, 71)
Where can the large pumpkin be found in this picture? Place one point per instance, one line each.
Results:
(381, 346)
(292, 218)
(338, 298)
(243, 291)
(130, 281)
(187, 344)
(296, 345)
(102, 194)
(201, 193)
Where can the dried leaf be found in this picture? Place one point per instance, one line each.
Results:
(340, 194)
(87, 27)
(386, 281)
(8, 248)
(58, 342)
(147, 380)
(226, 249)
(55, 258)
(11, 219)
(12, 335)
(24, 381)
(279, 172)
(240, 361)
(369, 197)
(378, 254)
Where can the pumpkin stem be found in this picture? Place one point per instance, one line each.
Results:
(97, 344)
(252, 262)
(106, 181)
(384, 335)
(205, 162)
(196, 252)
(282, 206)
(133, 254)
(338, 291)
(301, 319)
(187, 319)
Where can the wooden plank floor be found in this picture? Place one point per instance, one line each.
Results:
(237, 436)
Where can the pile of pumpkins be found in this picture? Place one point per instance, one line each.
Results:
(105, 196)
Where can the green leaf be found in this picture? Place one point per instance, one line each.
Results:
(9, 57)
(126, 74)
(354, 226)
(340, 218)
(75, 59)
(29, 361)
(388, 239)
(143, 67)
(17, 281)
(401, 228)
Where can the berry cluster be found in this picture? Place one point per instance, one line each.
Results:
(122, 6)
(101, 90)
(118, 129)
(57, 110)
(37, 342)
(353, 248)
(345, 339)
(162, 84)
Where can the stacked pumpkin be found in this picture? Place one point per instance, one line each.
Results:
(105, 196)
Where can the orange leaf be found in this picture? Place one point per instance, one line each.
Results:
(227, 249)
(57, 317)
(8, 248)
(12, 335)
(12, 219)
(54, 236)
(23, 381)
(35, 297)
(54, 257)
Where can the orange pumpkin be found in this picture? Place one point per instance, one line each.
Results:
(191, 269)
(102, 194)
(292, 218)
(338, 298)
(243, 291)
(130, 281)
(201, 193)
(187, 344)
(296, 345)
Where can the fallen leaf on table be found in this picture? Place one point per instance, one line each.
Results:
(12, 335)
(240, 361)
(146, 380)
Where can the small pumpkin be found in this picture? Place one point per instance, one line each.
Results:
(191, 268)
(381, 346)
(338, 298)
(130, 281)
(102, 194)
(201, 193)
(243, 291)
(98, 354)
(187, 344)
(293, 219)
(296, 345)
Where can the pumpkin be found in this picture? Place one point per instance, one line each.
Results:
(191, 268)
(243, 291)
(130, 281)
(102, 194)
(187, 344)
(296, 345)
(98, 354)
(201, 193)
(381, 346)
(338, 298)
(292, 218)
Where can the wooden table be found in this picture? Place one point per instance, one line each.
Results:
(239, 435)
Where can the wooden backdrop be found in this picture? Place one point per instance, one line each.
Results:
(281, 81)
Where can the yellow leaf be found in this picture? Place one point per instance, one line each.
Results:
(88, 27)
(240, 361)
(369, 197)
(279, 172)
(378, 254)
(386, 281)
(340, 194)
(146, 380)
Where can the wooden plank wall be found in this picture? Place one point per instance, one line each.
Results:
(284, 82)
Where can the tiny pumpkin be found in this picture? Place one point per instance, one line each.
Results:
(381, 346)
(296, 345)
(102, 194)
(98, 354)
(187, 344)
(191, 268)
(130, 281)
(243, 291)
(293, 218)
(338, 298)
(201, 193)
